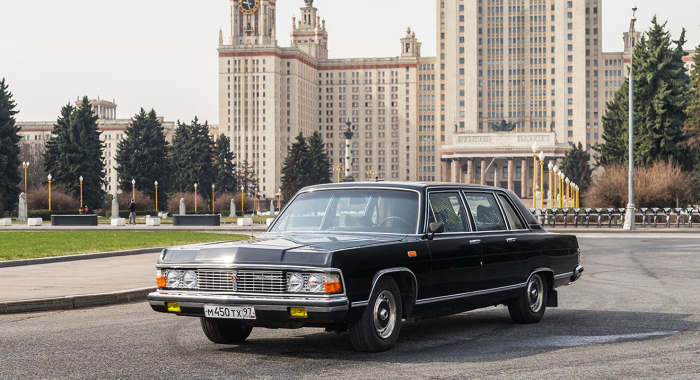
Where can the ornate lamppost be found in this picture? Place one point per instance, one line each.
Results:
(568, 191)
(212, 198)
(242, 200)
(81, 193)
(629, 217)
(557, 189)
(25, 165)
(133, 189)
(49, 192)
(534, 174)
(195, 198)
(339, 168)
(156, 183)
(542, 180)
(279, 195)
(550, 197)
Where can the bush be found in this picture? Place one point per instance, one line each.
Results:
(660, 185)
(143, 201)
(223, 203)
(125, 213)
(38, 199)
(46, 214)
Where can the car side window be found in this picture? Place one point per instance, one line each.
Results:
(513, 219)
(448, 209)
(487, 216)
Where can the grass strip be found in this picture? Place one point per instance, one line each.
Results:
(36, 244)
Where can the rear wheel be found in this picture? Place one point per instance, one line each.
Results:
(378, 328)
(529, 307)
(224, 331)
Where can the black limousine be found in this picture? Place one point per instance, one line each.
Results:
(362, 257)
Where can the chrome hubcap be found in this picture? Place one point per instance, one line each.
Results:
(535, 292)
(384, 313)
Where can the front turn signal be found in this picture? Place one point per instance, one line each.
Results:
(160, 278)
(332, 284)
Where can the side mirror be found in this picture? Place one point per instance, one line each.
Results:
(436, 228)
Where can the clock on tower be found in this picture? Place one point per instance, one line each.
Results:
(248, 7)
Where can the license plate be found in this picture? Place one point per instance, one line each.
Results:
(229, 312)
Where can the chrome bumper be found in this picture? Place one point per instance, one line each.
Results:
(577, 273)
(268, 303)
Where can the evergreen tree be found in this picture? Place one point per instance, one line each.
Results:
(75, 150)
(296, 172)
(577, 168)
(143, 156)
(692, 123)
(660, 88)
(225, 167)
(321, 163)
(245, 176)
(9, 150)
(192, 158)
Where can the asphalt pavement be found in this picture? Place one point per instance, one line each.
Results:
(635, 313)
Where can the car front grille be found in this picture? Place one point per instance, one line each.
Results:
(261, 281)
(209, 279)
(247, 281)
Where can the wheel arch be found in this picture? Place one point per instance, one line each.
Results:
(407, 283)
(548, 274)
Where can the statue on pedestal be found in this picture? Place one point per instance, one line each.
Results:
(183, 210)
(22, 209)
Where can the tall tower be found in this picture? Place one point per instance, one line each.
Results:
(410, 47)
(253, 22)
(309, 34)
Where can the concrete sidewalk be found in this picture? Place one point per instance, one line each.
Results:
(75, 284)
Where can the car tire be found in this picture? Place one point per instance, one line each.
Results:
(378, 327)
(529, 307)
(223, 331)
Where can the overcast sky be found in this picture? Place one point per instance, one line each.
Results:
(162, 53)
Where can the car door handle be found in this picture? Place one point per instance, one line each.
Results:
(473, 242)
(511, 240)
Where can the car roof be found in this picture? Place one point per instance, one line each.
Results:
(402, 185)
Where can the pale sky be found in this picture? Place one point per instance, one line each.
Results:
(162, 53)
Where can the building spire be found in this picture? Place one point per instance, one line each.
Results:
(221, 37)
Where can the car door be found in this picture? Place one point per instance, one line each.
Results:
(500, 257)
(456, 253)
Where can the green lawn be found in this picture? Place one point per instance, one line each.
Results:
(30, 245)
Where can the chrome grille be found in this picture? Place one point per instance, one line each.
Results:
(261, 281)
(211, 279)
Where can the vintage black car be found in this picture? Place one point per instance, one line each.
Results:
(362, 257)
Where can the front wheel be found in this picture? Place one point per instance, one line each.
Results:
(378, 328)
(529, 307)
(224, 331)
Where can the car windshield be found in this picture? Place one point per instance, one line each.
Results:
(351, 210)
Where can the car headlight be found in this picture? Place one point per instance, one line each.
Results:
(173, 278)
(295, 282)
(316, 283)
(190, 279)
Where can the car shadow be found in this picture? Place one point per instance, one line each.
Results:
(477, 336)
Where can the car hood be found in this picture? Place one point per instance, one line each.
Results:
(306, 250)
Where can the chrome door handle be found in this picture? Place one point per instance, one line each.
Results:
(511, 240)
(473, 242)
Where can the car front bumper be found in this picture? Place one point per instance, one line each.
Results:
(268, 309)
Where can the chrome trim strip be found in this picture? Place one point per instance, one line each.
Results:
(340, 303)
(312, 309)
(359, 304)
(543, 269)
(563, 275)
(470, 294)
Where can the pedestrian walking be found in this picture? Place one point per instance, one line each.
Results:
(132, 212)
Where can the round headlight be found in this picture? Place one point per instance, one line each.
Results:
(316, 283)
(173, 278)
(190, 279)
(295, 283)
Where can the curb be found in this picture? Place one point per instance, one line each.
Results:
(84, 256)
(75, 302)
(620, 230)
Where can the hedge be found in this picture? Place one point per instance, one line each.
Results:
(46, 214)
(125, 213)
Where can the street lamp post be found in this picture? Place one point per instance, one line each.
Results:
(212, 198)
(534, 174)
(541, 180)
(629, 217)
(242, 200)
(568, 191)
(279, 195)
(255, 202)
(50, 192)
(562, 195)
(156, 183)
(195, 198)
(550, 166)
(339, 168)
(81, 193)
(556, 186)
(371, 173)
(133, 189)
(25, 165)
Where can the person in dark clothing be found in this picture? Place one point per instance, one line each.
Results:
(132, 212)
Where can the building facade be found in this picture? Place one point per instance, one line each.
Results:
(269, 94)
(111, 129)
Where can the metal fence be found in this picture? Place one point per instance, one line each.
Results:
(615, 217)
